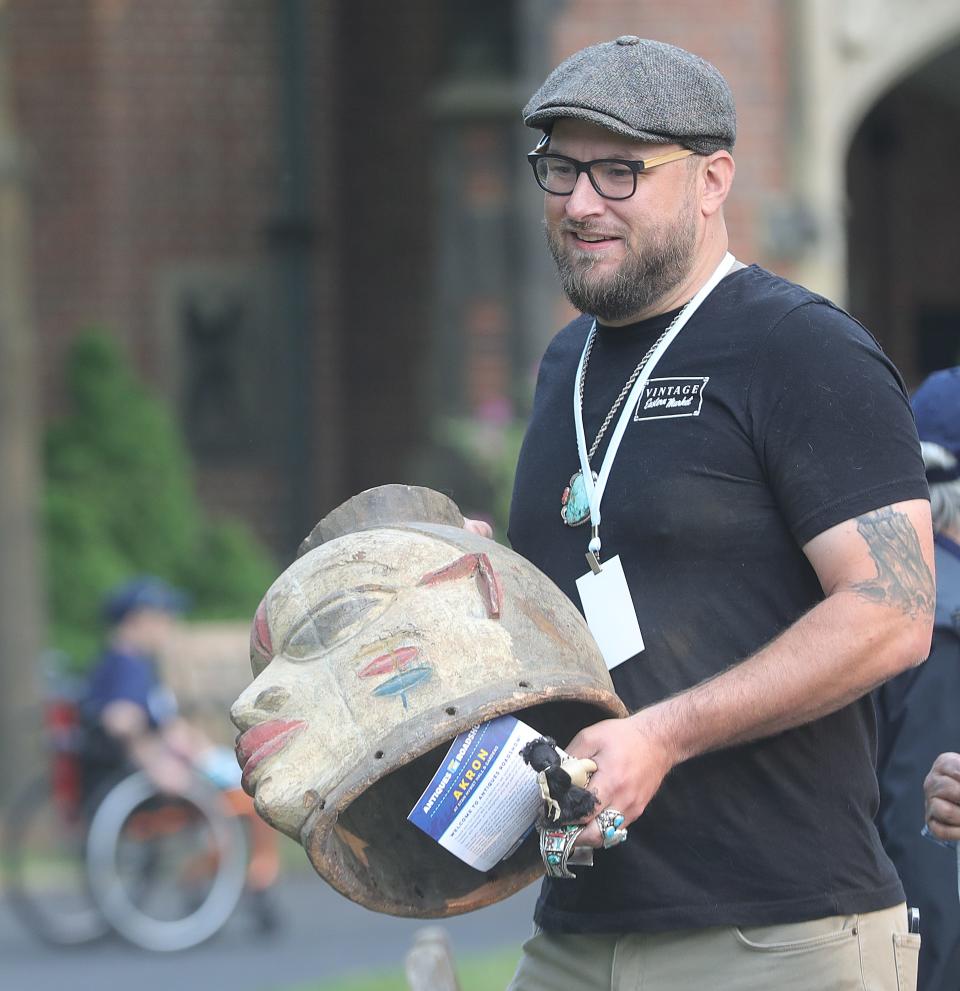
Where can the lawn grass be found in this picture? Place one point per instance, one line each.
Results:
(490, 972)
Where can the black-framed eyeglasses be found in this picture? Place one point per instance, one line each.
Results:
(612, 178)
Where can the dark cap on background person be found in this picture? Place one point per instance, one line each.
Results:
(936, 408)
(142, 592)
(641, 89)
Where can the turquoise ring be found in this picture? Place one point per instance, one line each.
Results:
(611, 826)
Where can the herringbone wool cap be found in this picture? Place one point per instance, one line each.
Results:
(642, 89)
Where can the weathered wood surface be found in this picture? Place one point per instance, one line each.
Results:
(373, 651)
(381, 506)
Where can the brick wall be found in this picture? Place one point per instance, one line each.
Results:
(151, 126)
(160, 153)
(54, 73)
(746, 40)
(156, 139)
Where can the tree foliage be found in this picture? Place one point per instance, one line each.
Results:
(119, 501)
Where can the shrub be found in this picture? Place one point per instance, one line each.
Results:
(119, 501)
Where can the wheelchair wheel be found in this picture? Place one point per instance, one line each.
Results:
(44, 852)
(166, 871)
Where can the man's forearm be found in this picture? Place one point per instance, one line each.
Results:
(876, 620)
(837, 652)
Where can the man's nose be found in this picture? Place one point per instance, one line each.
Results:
(584, 201)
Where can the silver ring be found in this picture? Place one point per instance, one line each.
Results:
(556, 845)
(611, 826)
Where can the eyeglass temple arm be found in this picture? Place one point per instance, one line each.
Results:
(671, 156)
(648, 163)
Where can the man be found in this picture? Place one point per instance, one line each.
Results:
(132, 713)
(133, 720)
(918, 712)
(764, 495)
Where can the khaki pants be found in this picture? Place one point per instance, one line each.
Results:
(870, 952)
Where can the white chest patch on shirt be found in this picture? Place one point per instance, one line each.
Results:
(666, 398)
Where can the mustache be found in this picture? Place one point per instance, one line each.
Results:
(586, 227)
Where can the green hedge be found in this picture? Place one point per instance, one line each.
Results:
(119, 501)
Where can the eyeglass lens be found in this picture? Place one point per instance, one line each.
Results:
(559, 175)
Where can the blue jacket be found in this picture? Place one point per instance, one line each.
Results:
(918, 715)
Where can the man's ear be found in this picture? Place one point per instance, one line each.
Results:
(716, 178)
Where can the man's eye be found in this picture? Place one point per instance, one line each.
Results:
(561, 170)
(616, 173)
(336, 619)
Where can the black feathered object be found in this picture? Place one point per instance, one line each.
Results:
(564, 801)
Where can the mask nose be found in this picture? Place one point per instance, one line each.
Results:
(272, 699)
(256, 703)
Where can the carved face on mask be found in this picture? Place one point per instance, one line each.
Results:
(370, 653)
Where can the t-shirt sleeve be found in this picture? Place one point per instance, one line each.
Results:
(120, 679)
(831, 421)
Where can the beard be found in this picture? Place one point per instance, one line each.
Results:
(642, 278)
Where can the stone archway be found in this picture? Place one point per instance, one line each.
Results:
(848, 54)
(904, 218)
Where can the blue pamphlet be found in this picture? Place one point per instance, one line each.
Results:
(484, 798)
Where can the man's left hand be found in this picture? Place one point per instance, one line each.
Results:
(480, 527)
(631, 763)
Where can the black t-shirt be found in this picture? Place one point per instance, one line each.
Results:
(772, 417)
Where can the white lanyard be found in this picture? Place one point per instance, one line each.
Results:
(593, 489)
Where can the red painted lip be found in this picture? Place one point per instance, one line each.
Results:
(262, 741)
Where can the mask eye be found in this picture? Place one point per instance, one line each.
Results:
(261, 645)
(335, 619)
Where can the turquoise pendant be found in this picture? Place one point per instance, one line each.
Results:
(574, 504)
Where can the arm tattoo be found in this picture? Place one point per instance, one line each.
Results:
(903, 578)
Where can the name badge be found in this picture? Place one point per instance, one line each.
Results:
(610, 613)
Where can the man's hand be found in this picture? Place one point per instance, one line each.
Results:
(941, 791)
(875, 620)
(480, 527)
(164, 765)
(170, 774)
(631, 763)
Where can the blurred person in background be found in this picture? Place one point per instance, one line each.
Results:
(918, 712)
(132, 721)
(131, 713)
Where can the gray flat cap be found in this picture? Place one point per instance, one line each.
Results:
(642, 89)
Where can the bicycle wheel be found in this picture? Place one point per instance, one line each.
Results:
(44, 841)
(165, 870)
